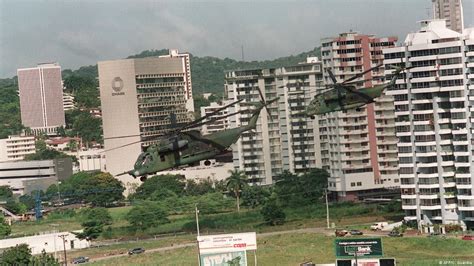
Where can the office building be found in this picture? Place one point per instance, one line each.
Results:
(283, 139)
(26, 176)
(139, 97)
(41, 98)
(451, 11)
(358, 146)
(15, 148)
(435, 118)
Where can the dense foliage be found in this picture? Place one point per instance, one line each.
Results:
(303, 189)
(93, 222)
(5, 228)
(147, 214)
(10, 121)
(96, 188)
(21, 255)
(272, 212)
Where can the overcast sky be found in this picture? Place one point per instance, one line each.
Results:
(79, 32)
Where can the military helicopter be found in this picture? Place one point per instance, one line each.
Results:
(181, 147)
(345, 96)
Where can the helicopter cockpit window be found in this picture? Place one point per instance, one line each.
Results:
(147, 159)
(162, 157)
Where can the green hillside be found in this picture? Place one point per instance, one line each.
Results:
(207, 75)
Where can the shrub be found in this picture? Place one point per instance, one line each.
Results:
(273, 213)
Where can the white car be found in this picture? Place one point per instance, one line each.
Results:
(378, 226)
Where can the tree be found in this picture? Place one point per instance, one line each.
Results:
(303, 189)
(235, 182)
(201, 187)
(103, 189)
(272, 212)
(18, 255)
(5, 193)
(87, 127)
(173, 183)
(93, 222)
(254, 196)
(44, 259)
(147, 214)
(5, 228)
(28, 200)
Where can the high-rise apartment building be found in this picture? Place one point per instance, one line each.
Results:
(15, 148)
(41, 98)
(187, 75)
(218, 125)
(359, 146)
(435, 124)
(451, 11)
(284, 139)
(138, 100)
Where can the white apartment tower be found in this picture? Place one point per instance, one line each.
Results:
(435, 118)
(220, 124)
(138, 98)
(451, 11)
(41, 98)
(358, 146)
(284, 139)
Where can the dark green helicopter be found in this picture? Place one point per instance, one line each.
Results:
(345, 96)
(181, 147)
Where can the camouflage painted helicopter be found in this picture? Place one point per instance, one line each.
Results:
(182, 147)
(345, 96)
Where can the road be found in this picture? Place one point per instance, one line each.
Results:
(319, 230)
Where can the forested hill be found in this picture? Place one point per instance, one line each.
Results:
(208, 72)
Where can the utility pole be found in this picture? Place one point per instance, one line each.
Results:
(327, 209)
(197, 228)
(197, 218)
(63, 237)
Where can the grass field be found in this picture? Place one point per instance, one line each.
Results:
(292, 249)
(248, 219)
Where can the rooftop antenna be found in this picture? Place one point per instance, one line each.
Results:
(243, 58)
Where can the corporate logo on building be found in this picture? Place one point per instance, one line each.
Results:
(117, 86)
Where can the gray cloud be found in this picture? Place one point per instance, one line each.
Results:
(77, 33)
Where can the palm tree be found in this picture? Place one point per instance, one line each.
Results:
(235, 183)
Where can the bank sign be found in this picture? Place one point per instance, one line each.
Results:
(360, 247)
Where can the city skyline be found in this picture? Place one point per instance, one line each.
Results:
(99, 30)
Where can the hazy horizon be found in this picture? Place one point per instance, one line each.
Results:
(80, 33)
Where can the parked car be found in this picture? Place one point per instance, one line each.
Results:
(395, 234)
(356, 233)
(136, 251)
(468, 237)
(79, 260)
(340, 232)
(378, 226)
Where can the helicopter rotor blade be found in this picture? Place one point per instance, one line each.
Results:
(119, 147)
(121, 137)
(198, 122)
(331, 75)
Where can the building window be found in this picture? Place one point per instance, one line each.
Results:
(359, 184)
(353, 184)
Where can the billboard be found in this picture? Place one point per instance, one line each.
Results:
(238, 258)
(360, 247)
(214, 244)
